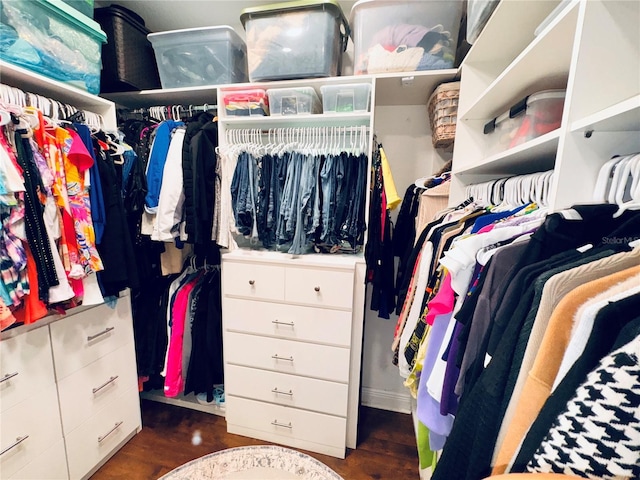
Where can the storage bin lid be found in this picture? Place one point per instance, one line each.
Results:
(521, 107)
(123, 13)
(189, 35)
(70, 15)
(265, 10)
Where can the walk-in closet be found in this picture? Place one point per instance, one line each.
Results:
(319, 239)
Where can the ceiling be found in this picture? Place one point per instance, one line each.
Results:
(162, 15)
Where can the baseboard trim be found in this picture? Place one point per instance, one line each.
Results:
(385, 400)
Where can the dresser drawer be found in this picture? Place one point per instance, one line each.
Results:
(288, 321)
(287, 356)
(84, 337)
(29, 429)
(96, 438)
(263, 282)
(286, 422)
(289, 390)
(85, 392)
(26, 366)
(319, 287)
(50, 465)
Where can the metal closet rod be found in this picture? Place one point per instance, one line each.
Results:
(173, 108)
(325, 128)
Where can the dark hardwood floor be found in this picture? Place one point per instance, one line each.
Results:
(386, 446)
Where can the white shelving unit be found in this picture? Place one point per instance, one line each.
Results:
(591, 49)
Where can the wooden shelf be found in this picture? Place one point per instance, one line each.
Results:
(536, 155)
(189, 401)
(622, 117)
(543, 65)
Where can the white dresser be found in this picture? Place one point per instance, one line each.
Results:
(68, 393)
(292, 347)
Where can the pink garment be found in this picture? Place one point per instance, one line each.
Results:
(487, 228)
(400, 34)
(443, 302)
(173, 381)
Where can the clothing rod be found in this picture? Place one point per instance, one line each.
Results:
(327, 130)
(183, 108)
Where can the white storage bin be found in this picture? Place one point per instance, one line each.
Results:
(403, 36)
(346, 98)
(293, 101)
(530, 118)
(301, 39)
(199, 56)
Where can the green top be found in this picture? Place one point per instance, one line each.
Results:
(264, 10)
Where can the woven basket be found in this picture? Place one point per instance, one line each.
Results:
(443, 113)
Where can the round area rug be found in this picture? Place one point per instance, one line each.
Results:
(261, 462)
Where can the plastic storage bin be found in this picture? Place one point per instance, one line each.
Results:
(85, 7)
(532, 117)
(127, 58)
(478, 13)
(244, 103)
(50, 38)
(302, 39)
(199, 56)
(403, 36)
(293, 101)
(346, 98)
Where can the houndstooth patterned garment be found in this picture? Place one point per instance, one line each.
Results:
(598, 434)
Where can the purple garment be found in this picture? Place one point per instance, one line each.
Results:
(428, 408)
(449, 400)
(401, 34)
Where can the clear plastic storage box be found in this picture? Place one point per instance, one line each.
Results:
(244, 103)
(199, 56)
(85, 7)
(478, 14)
(50, 38)
(293, 101)
(530, 118)
(404, 36)
(346, 98)
(301, 39)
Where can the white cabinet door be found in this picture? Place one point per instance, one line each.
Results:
(26, 366)
(28, 429)
(87, 391)
(288, 390)
(84, 337)
(287, 356)
(319, 287)
(293, 322)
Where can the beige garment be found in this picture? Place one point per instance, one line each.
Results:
(432, 201)
(172, 259)
(562, 295)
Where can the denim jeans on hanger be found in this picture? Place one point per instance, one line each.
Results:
(306, 199)
(287, 217)
(240, 195)
(328, 185)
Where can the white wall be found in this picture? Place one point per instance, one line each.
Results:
(405, 135)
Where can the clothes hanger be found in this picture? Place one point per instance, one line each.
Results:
(629, 176)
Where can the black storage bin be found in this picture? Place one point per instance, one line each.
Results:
(128, 61)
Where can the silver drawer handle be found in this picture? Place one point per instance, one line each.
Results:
(108, 382)
(18, 441)
(288, 359)
(290, 392)
(104, 332)
(278, 424)
(102, 437)
(252, 282)
(317, 289)
(7, 376)
(278, 322)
